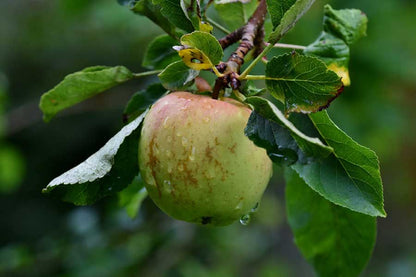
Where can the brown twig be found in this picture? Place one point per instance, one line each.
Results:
(251, 35)
(231, 38)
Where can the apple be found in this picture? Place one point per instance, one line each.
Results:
(196, 162)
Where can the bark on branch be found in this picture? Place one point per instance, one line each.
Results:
(251, 36)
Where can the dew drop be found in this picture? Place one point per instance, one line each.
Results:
(170, 169)
(178, 134)
(165, 122)
(245, 219)
(255, 208)
(168, 153)
(206, 119)
(239, 205)
(180, 167)
(169, 139)
(192, 156)
(184, 141)
(167, 185)
(210, 173)
(155, 149)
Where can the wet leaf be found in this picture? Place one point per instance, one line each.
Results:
(277, 10)
(172, 10)
(347, 24)
(289, 18)
(206, 43)
(336, 241)
(160, 53)
(153, 12)
(303, 83)
(107, 171)
(269, 128)
(350, 177)
(334, 52)
(177, 76)
(141, 100)
(80, 86)
(235, 13)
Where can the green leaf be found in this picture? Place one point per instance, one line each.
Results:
(289, 19)
(177, 76)
(150, 10)
(342, 27)
(105, 172)
(276, 137)
(160, 53)
(351, 177)
(139, 102)
(249, 89)
(172, 10)
(80, 86)
(336, 241)
(132, 197)
(235, 13)
(334, 52)
(206, 43)
(348, 24)
(304, 83)
(189, 8)
(277, 10)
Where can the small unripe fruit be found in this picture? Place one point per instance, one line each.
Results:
(196, 162)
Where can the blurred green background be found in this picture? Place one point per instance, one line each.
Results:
(42, 41)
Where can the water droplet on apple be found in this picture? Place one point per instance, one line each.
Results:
(239, 205)
(165, 122)
(255, 208)
(245, 219)
(156, 149)
(192, 156)
(167, 185)
(184, 141)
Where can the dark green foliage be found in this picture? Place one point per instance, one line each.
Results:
(303, 83)
(335, 240)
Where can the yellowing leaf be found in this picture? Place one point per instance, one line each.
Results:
(205, 27)
(342, 72)
(195, 59)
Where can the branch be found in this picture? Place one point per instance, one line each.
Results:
(251, 29)
(251, 36)
(231, 38)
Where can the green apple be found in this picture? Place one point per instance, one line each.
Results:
(196, 162)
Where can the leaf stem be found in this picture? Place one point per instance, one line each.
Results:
(255, 77)
(289, 46)
(255, 61)
(146, 73)
(218, 26)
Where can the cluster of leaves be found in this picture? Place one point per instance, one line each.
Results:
(334, 189)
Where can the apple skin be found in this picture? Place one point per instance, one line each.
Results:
(196, 162)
